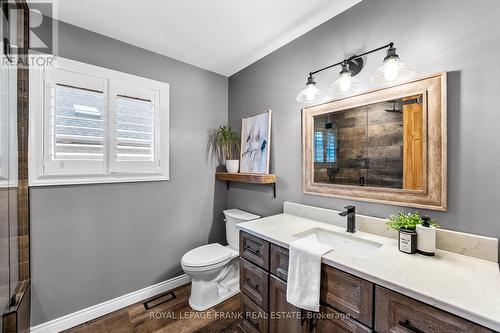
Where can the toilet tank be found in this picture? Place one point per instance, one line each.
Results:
(232, 217)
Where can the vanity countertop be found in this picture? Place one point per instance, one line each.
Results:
(462, 285)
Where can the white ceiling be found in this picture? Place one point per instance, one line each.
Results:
(223, 36)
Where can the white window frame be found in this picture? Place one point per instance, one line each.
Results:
(44, 171)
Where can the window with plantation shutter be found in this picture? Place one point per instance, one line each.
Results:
(97, 125)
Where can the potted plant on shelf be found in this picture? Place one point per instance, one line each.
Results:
(405, 224)
(224, 145)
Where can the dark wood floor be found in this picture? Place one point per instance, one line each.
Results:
(172, 316)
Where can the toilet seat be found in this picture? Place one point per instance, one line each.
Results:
(208, 256)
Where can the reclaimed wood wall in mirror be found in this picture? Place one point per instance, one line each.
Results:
(386, 145)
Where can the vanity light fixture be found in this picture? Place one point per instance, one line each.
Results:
(392, 70)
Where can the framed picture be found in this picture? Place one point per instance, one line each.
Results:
(255, 143)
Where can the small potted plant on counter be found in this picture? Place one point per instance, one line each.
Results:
(406, 224)
(224, 145)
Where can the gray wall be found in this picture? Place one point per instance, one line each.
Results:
(461, 37)
(93, 243)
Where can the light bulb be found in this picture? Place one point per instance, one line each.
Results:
(391, 69)
(308, 94)
(345, 82)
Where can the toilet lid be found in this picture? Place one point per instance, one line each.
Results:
(206, 255)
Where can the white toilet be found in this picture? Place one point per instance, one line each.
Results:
(214, 269)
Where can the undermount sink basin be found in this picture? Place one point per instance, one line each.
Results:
(341, 242)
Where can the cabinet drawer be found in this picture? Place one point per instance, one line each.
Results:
(254, 283)
(279, 261)
(347, 293)
(254, 249)
(335, 321)
(398, 313)
(255, 320)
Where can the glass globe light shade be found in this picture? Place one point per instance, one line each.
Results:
(344, 84)
(309, 93)
(392, 70)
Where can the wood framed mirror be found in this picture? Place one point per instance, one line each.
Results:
(386, 145)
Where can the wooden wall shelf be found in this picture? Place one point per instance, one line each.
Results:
(249, 178)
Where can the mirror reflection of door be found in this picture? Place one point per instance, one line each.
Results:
(377, 145)
(413, 143)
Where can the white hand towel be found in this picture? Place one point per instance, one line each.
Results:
(304, 273)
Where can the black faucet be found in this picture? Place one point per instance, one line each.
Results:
(351, 218)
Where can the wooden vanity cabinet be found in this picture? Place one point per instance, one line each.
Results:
(348, 303)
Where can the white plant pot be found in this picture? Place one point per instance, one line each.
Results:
(232, 166)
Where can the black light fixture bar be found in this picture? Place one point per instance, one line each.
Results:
(390, 45)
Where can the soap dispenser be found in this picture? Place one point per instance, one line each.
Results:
(426, 237)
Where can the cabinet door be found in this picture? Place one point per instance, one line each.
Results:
(333, 321)
(279, 261)
(284, 317)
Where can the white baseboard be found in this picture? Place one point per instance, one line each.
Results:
(98, 310)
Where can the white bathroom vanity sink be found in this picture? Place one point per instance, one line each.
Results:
(344, 243)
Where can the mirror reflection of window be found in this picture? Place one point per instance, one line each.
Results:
(377, 145)
(325, 146)
(325, 149)
(319, 156)
(330, 147)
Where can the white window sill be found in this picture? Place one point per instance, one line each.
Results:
(54, 180)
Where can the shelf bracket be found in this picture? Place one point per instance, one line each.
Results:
(273, 185)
